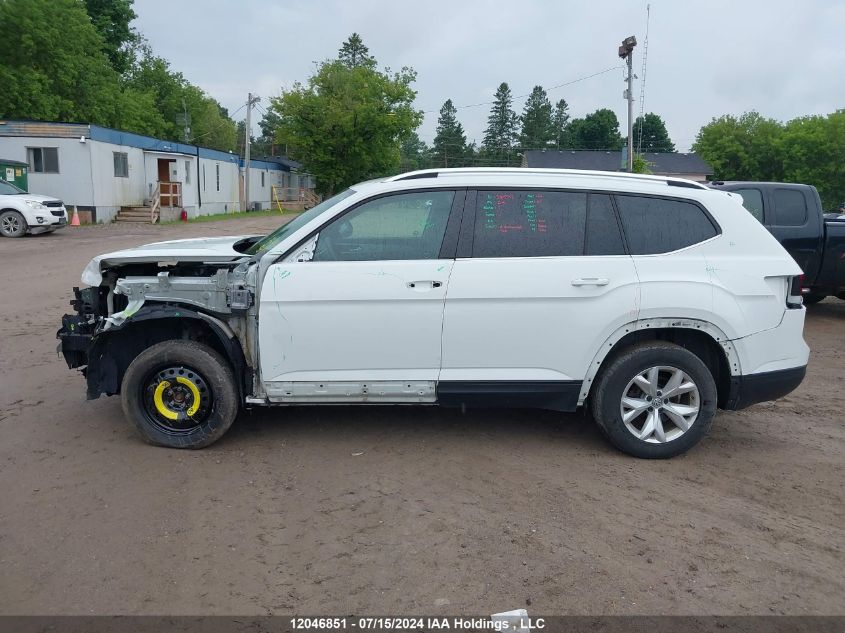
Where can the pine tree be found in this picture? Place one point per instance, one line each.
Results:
(414, 153)
(450, 144)
(502, 127)
(354, 53)
(538, 129)
(560, 124)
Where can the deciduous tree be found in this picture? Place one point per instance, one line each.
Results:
(347, 122)
(742, 148)
(597, 131)
(812, 151)
(113, 20)
(52, 66)
(650, 134)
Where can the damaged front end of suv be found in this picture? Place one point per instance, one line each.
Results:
(190, 290)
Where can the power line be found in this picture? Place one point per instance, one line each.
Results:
(567, 83)
(222, 123)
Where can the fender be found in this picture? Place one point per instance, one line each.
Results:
(607, 346)
(107, 362)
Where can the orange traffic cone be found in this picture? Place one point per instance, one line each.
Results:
(75, 220)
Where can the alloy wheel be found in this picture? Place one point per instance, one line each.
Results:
(10, 224)
(660, 404)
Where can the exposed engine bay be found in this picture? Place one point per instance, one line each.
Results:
(143, 297)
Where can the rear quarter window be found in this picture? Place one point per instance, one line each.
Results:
(662, 225)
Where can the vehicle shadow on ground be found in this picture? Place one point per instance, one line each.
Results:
(424, 423)
(830, 307)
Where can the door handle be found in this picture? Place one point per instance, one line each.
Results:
(590, 281)
(424, 285)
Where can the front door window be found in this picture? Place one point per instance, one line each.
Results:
(397, 227)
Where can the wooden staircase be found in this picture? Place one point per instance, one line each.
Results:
(134, 214)
(168, 192)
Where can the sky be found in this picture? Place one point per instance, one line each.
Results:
(783, 58)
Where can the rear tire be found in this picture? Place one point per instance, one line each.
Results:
(655, 400)
(12, 224)
(180, 394)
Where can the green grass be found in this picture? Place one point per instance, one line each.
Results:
(234, 215)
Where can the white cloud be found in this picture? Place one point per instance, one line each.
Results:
(781, 57)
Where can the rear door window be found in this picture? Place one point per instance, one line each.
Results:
(662, 225)
(790, 207)
(520, 223)
(752, 200)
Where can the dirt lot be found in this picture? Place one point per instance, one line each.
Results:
(399, 510)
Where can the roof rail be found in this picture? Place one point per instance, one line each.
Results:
(435, 173)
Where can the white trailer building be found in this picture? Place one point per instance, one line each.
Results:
(103, 172)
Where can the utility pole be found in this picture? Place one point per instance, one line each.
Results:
(250, 101)
(186, 123)
(626, 52)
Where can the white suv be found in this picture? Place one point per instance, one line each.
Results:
(22, 212)
(654, 301)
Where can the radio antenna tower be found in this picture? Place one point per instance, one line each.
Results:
(642, 82)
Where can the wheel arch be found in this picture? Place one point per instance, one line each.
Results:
(702, 338)
(114, 349)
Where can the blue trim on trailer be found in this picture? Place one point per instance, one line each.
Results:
(130, 139)
(265, 164)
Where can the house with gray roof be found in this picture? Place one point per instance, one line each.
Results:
(677, 164)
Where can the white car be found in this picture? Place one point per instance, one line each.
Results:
(22, 213)
(653, 301)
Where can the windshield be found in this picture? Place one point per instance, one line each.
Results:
(268, 242)
(8, 189)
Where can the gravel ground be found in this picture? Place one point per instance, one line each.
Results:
(391, 510)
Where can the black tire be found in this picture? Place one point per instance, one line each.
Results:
(12, 224)
(613, 383)
(813, 298)
(213, 397)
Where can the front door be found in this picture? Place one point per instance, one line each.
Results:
(361, 321)
(164, 179)
(541, 280)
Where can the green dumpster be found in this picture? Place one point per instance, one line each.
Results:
(14, 171)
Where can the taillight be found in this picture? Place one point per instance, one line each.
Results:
(796, 285)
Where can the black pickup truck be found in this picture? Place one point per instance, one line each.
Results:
(793, 214)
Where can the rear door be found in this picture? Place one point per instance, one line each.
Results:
(541, 280)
